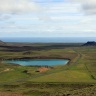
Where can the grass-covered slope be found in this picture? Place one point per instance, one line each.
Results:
(80, 70)
(81, 67)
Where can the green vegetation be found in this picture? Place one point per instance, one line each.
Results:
(77, 78)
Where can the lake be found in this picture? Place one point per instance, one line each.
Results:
(39, 62)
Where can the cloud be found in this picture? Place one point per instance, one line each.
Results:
(18, 6)
(88, 6)
(50, 19)
(4, 17)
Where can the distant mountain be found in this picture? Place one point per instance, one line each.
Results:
(90, 43)
(2, 43)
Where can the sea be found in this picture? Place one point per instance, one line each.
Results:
(48, 39)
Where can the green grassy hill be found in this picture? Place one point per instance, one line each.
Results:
(79, 72)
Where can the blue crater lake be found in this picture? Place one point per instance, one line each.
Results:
(40, 62)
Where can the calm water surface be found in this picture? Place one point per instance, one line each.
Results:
(48, 39)
(49, 62)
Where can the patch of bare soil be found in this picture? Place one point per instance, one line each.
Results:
(7, 69)
(42, 69)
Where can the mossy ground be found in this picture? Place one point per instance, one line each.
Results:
(80, 72)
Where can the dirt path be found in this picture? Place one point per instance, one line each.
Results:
(79, 56)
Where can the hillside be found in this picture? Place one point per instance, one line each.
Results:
(90, 43)
(2, 43)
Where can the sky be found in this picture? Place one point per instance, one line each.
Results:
(47, 18)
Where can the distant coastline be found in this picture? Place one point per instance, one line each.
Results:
(48, 39)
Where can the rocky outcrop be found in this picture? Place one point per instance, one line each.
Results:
(90, 43)
(2, 43)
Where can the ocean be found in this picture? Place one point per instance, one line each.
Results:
(48, 39)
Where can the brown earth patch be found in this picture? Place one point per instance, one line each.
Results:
(42, 69)
(7, 69)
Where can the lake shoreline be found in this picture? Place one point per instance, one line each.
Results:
(38, 58)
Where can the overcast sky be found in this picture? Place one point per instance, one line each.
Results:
(47, 18)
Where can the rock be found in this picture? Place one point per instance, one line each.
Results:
(90, 43)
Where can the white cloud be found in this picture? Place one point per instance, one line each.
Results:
(89, 6)
(54, 19)
(61, 7)
(18, 6)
